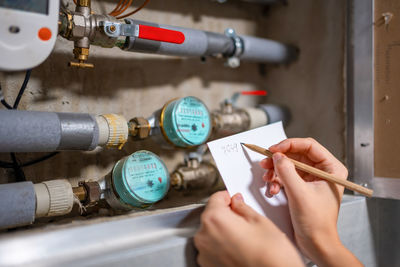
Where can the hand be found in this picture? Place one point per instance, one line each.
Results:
(313, 203)
(233, 234)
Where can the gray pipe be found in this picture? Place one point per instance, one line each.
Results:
(34, 131)
(276, 113)
(265, 50)
(197, 43)
(201, 44)
(18, 204)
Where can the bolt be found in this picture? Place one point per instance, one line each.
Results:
(112, 28)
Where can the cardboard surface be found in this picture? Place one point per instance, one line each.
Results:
(387, 88)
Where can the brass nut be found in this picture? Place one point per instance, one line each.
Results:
(80, 193)
(78, 26)
(93, 192)
(139, 127)
(84, 3)
(81, 51)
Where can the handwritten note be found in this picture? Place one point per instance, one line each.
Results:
(241, 172)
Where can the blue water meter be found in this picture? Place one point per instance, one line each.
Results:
(140, 179)
(185, 122)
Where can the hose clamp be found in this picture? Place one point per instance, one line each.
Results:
(234, 60)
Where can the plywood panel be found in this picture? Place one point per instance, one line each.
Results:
(387, 88)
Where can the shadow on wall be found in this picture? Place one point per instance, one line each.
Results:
(231, 9)
(113, 74)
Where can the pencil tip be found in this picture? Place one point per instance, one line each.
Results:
(242, 144)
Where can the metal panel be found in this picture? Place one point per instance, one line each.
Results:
(154, 240)
(163, 239)
(360, 106)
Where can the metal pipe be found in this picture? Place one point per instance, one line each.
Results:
(35, 131)
(199, 43)
(265, 50)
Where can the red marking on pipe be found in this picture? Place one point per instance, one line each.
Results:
(259, 92)
(159, 34)
(160, 180)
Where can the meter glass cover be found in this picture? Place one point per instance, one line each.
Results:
(141, 179)
(192, 120)
(36, 6)
(187, 122)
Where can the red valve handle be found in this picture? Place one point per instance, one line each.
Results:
(259, 92)
(159, 34)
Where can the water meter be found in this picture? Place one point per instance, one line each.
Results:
(183, 122)
(137, 181)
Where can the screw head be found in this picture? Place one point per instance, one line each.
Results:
(112, 28)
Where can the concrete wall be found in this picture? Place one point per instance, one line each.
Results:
(137, 84)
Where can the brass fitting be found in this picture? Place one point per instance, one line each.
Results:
(80, 193)
(139, 128)
(87, 192)
(84, 3)
(194, 175)
(81, 54)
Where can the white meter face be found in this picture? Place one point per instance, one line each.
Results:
(28, 30)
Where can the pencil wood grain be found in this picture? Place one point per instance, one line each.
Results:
(317, 172)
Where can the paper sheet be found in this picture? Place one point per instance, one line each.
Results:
(241, 172)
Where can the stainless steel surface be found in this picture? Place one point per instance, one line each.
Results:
(156, 240)
(360, 106)
(78, 131)
(360, 90)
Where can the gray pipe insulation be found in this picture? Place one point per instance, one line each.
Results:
(22, 202)
(34, 131)
(202, 43)
(18, 204)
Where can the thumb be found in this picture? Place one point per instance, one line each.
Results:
(242, 209)
(285, 170)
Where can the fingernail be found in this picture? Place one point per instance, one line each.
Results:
(277, 156)
(273, 147)
(238, 197)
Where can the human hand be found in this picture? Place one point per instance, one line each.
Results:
(313, 203)
(233, 234)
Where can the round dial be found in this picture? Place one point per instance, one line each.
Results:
(141, 179)
(187, 122)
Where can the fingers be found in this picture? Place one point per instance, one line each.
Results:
(220, 199)
(307, 146)
(267, 163)
(295, 186)
(274, 183)
(242, 209)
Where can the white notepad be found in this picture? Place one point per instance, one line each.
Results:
(241, 172)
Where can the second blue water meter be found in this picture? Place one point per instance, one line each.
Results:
(140, 179)
(185, 122)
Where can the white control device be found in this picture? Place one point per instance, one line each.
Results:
(28, 31)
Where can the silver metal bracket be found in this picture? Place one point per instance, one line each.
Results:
(234, 60)
(116, 29)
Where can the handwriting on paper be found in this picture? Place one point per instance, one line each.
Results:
(239, 168)
(230, 148)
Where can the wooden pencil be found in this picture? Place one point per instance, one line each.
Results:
(317, 172)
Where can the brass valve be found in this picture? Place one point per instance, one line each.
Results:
(81, 54)
(81, 41)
